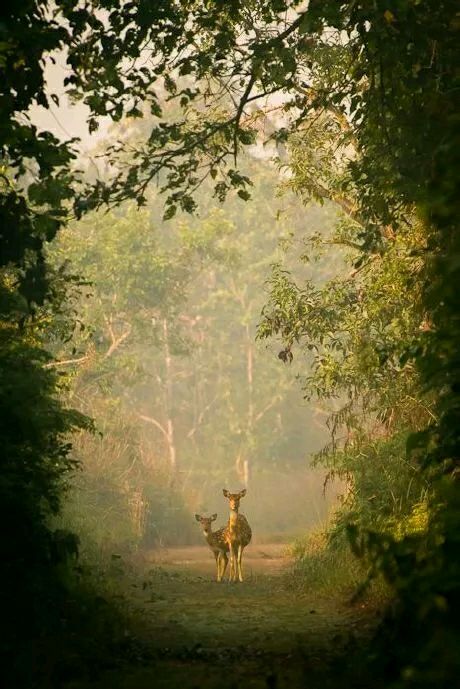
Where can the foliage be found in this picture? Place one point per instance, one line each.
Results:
(328, 567)
(386, 492)
(35, 426)
(355, 330)
(36, 465)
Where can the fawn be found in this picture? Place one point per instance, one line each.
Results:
(216, 541)
(237, 533)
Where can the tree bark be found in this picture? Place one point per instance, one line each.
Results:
(170, 432)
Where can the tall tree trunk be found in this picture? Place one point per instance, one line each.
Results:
(170, 434)
(250, 380)
(242, 461)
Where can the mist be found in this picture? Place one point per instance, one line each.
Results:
(187, 399)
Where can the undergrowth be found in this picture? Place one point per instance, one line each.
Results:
(326, 565)
(87, 631)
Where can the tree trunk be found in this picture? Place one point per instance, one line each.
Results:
(242, 461)
(170, 434)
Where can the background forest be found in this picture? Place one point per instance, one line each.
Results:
(166, 362)
(251, 278)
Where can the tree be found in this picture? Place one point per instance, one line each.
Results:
(355, 329)
(37, 463)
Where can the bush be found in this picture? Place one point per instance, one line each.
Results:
(324, 565)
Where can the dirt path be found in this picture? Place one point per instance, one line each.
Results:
(259, 634)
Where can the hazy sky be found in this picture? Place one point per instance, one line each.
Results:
(67, 120)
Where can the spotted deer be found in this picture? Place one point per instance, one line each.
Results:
(237, 533)
(216, 541)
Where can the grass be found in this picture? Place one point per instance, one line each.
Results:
(331, 568)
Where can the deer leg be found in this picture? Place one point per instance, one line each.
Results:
(233, 562)
(240, 560)
(224, 560)
(230, 576)
(217, 555)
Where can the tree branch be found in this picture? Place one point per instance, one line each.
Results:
(116, 341)
(201, 416)
(239, 112)
(156, 423)
(266, 409)
(55, 364)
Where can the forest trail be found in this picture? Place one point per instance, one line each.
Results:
(261, 634)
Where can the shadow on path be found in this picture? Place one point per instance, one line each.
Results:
(263, 633)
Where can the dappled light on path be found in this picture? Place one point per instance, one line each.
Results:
(260, 633)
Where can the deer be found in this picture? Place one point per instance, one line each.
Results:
(237, 534)
(216, 541)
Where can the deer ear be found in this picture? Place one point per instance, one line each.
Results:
(225, 492)
(214, 517)
(243, 493)
(197, 517)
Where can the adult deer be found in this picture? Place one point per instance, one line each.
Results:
(237, 534)
(216, 541)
